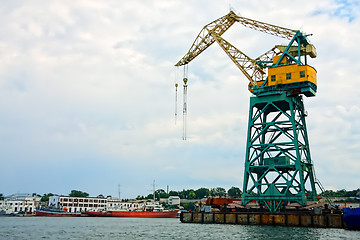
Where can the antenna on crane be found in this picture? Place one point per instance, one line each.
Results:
(185, 79)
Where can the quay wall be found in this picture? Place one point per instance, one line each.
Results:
(273, 219)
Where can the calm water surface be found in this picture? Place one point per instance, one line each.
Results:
(137, 228)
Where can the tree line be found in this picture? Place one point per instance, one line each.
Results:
(160, 193)
(195, 194)
(344, 195)
(233, 192)
(73, 193)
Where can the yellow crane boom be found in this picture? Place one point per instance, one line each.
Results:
(247, 66)
(216, 28)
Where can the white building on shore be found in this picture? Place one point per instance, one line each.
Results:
(19, 203)
(77, 204)
(174, 200)
(82, 204)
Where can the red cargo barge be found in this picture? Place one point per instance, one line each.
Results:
(134, 214)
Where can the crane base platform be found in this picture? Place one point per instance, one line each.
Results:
(307, 88)
(324, 220)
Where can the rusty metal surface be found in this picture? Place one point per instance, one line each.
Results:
(274, 219)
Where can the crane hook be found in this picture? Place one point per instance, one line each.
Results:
(185, 108)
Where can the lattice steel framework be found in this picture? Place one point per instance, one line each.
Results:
(278, 167)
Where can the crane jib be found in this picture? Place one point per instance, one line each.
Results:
(254, 69)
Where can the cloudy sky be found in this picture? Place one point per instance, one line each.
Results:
(87, 96)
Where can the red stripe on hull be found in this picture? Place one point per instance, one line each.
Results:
(164, 214)
(56, 214)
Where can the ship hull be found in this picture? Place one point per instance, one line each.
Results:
(134, 214)
(56, 214)
(351, 217)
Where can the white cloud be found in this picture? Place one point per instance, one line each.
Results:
(86, 88)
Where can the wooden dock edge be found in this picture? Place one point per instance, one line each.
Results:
(272, 219)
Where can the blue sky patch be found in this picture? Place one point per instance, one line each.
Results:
(348, 9)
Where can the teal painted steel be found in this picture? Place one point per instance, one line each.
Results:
(278, 167)
(301, 41)
(306, 87)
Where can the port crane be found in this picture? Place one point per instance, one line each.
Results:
(278, 167)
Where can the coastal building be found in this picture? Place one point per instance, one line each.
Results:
(19, 203)
(174, 200)
(82, 204)
(116, 204)
(2, 207)
(77, 204)
(347, 204)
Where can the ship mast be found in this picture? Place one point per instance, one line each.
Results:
(154, 190)
(119, 191)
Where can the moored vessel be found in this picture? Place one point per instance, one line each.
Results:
(148, 210)
(351, 217)
(50, 212)
(134, 214)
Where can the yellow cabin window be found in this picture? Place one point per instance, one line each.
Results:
(273, 78)
(288, 76)
(302, 74)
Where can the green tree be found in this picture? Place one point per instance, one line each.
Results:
(234, 192)
(188, 206)
(1, 196)
(173, 193)
(46, 196)
(160, 193)
(340, 193)
(212, 192)
(202, 192)
(351, 193)
(77, 193)
(184, 194)
(140, 197)
(100, 196)
(219, 192)
(328, 193)
(192, 194)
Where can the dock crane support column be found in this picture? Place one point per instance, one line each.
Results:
(278, 167)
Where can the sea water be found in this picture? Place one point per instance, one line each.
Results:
(152, 228)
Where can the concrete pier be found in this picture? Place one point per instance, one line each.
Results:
(273, 219)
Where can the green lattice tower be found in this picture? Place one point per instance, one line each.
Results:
(278, 167)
